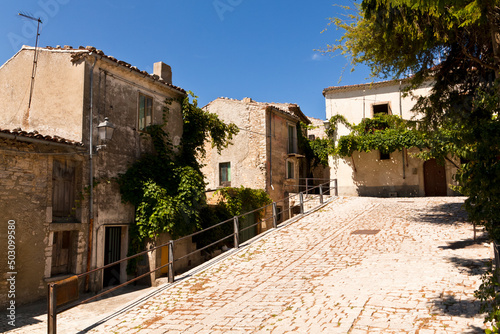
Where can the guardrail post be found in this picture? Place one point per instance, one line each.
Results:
(52, 309)
(301, 198)
(275, 215)
(236, 233)
(336, 187)
(307, 185)
(171, 261)
(321, 194)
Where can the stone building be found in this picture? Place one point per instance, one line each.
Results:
(375, 173)
(265, 154)
(61, 192)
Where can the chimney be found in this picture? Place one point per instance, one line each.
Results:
(163, 71)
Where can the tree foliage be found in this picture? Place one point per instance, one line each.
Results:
(317, 150)
(456, 44)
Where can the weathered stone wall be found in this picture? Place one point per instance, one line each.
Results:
(278, 157)
(60, 106)
(116, 96)
(247, 155)
(26, 198)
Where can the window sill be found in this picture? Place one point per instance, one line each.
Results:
(66, 225)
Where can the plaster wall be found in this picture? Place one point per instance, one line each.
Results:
(57, 98)
(365, 174)
(355, 104)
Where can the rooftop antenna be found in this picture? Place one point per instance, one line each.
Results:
(35, 56)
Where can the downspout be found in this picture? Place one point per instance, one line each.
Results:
(364, 116)
(271, 149)
(91, 175)
(401, 114)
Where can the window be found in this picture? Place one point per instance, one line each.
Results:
(382, 108)
(63, 189)
(225, 174)
(385, 156)
(292, 139)
(290, 172)
(312, 137)
(145, 111)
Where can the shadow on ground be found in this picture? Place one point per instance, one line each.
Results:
(36, 312)
(446, 213)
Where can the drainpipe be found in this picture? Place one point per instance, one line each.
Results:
(271, 149)
(364, 115)
(401, 114)
(91, 175)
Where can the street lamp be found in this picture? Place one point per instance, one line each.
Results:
(105, 130)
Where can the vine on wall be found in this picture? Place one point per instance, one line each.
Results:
(167, 186)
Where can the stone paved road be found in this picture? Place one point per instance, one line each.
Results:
(416, 275)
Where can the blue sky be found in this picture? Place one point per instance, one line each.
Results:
(231, 48)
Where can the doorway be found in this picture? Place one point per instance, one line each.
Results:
(61, 253)
(112, 251)
(434, 179)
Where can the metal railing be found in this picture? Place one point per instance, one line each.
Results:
(276, 216)
(307, 185)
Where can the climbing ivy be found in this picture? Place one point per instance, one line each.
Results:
(386, 133)
(316, 150)
(237, 201)
(167, 186)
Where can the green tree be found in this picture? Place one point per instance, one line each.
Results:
(456, 44)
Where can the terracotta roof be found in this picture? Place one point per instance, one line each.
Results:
(38, 136)
(88, 49)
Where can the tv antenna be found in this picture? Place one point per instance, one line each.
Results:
(35, 56)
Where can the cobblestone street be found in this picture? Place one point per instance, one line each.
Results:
(358, 265)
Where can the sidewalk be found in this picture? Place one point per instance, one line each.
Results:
(359, 265)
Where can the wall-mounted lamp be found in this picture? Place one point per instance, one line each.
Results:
(327, 125)
(105, 130)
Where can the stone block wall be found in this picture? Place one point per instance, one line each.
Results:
(26, 198)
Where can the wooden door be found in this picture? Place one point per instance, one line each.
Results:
(434, 179)
(61, 253)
